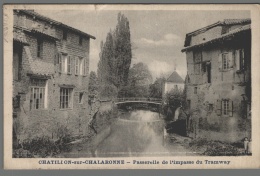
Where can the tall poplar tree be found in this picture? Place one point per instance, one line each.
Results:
(116, 55)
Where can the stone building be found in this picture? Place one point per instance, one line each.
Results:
(174, 81)
(219, 80)
(50, 76)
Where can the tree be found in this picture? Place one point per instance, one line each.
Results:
(123, 50)
(138, 82)
(106, 62)
(116, 55)
(93, 84)
(156, 89)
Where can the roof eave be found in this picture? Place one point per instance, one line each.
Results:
(213, 41)
(56, 23)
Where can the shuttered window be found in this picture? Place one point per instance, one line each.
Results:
(64, 63)
(225, 107)
(240, 59)
(226, 61)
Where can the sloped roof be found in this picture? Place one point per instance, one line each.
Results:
(33, 13)
(236, 21)
(37, 66)
(175, 78)
(19, 36)
(222, 37)
(225, 22)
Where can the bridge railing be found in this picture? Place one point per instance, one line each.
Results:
(138, 99)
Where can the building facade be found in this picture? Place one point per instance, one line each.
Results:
(219, 80)
(174, 81)
(50, 77)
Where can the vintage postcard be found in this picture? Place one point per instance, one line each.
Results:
(131, 86)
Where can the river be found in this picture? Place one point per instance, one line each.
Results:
(135, 133)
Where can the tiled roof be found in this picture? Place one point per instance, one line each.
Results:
(175, 78)
(32, 13)
(37, 31)
(37, 66)
(224, 22)
(236, 21)
(19, 36)
(222, 37)
(43, 68)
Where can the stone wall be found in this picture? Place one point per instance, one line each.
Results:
(231, 84)
(29, 123)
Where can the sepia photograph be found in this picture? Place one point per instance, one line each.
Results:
(125, 83)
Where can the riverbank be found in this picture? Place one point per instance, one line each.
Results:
(204, 147)
(86, 146)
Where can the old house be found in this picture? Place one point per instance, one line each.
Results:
(219, 80)
(50, 76)
(174, 81)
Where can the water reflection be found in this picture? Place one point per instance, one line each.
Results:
(136, 133)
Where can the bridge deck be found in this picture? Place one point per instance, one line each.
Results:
(138, 100)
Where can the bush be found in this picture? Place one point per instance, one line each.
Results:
(44, 146)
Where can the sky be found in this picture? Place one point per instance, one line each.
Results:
(157, 36)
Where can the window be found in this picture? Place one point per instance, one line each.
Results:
(240, 59)
(197, 59)
(225, 61)
(80, 40)
(39, 47)
(66, 98)
(80, 66)
(188, 104)
(195, 90)
(65, 35)
(38, 94)
(64, 64)
(225, 107)
(210, 107)
(81, 94)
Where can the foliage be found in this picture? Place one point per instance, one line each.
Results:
(116, 55)
(138, 82)
(214, 148)
(108, 91)
(156, 89)
(44, 146)
(93, 84)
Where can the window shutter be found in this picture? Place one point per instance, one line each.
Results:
(60, 62)
(55, 59)
(69, 65)
(85, 66)
(230, 106)
(220, 62)
(237, 59)
(230, 59)
(219, 107)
